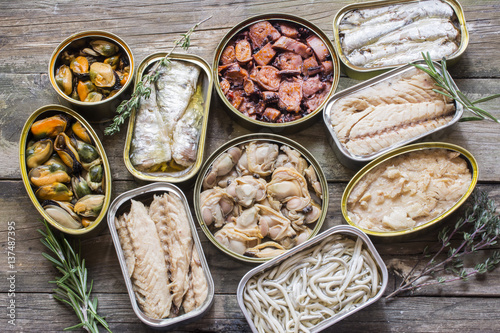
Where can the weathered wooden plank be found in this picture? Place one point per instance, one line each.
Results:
(407, 314)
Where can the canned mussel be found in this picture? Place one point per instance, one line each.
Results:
(260, 195)
(314, 285)
(166, 134)
(92, 71)
(161, 257)
(372, 37)
(409, 189)
(65, 169)
(275, 71)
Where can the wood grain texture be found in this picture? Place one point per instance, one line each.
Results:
(30, 31)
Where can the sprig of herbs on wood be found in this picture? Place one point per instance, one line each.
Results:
(443, 80)
(478, 230)
(72, 287)
(142, 88)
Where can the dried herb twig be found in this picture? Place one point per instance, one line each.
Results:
(443, 80)
(72, 287)
(141, 90)
(478, 230)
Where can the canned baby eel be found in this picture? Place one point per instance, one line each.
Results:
(206, 81)
(363, 73)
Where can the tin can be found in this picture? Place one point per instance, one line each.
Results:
(245, 139)
(26, 136)
(407, 233)
(343, 230)
(353, 161)
(103, 110)
(145, 194)
(206, 85)
(257, 125)
(363, 73)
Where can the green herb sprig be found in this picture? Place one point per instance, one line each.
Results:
(478, 230)
(72, 287)
(443, 80)
(141, 90)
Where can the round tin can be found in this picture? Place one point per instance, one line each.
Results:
(103, 110)
(26, 136)
(472, 165)
(256, 125)
(206, 85)
(245, 139)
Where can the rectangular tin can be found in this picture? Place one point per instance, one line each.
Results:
(411, 233)
(342, 230)
(362, 73)
(355, 161)
(145, 194)
(206, 82)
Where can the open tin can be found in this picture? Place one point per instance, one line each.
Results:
(419, 147)
(145, 194)
(277, 127)
(290, 256)
(363, 73)
(243, 141)
(354, 161)
(100, 111)
(176, 174)
(27, 136)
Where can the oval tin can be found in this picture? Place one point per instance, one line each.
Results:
(353, 161)
(206, 82)
(273, 138)
(407, 233)
(256, 125)
(145, 194)
(47, 111)
(363, 73)
(95, 112)
(337, 230)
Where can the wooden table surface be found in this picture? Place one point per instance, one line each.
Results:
(29, 32)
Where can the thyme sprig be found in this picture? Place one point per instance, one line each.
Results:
(478, 230)
(142, 90)
(443, 80)
(72, 287)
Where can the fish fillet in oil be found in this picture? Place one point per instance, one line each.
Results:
(125, 242)
(149, 277)
(172, 224)
(389, 112)
(198, 287)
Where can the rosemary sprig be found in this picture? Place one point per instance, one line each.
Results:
(443, 80)
(72, 287)
(141, 90)
(478, 230)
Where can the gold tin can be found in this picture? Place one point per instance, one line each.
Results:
(93, 111)
(407, 233)
(47, 111)
(256, 125)
(206, 82)
(273, 138)
(362, 73)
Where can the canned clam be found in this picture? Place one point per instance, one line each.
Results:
(169, 146)
(275, 71)
(92, 71)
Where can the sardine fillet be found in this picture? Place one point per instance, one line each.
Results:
(150, 142)
(172, 223)
(187, 130)
(198, 287)
(149, 277)
(125, 242)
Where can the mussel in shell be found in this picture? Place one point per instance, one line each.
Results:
(38, 153)
(55, 191)
(90, 205)
(48, 174)
(62, 213)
